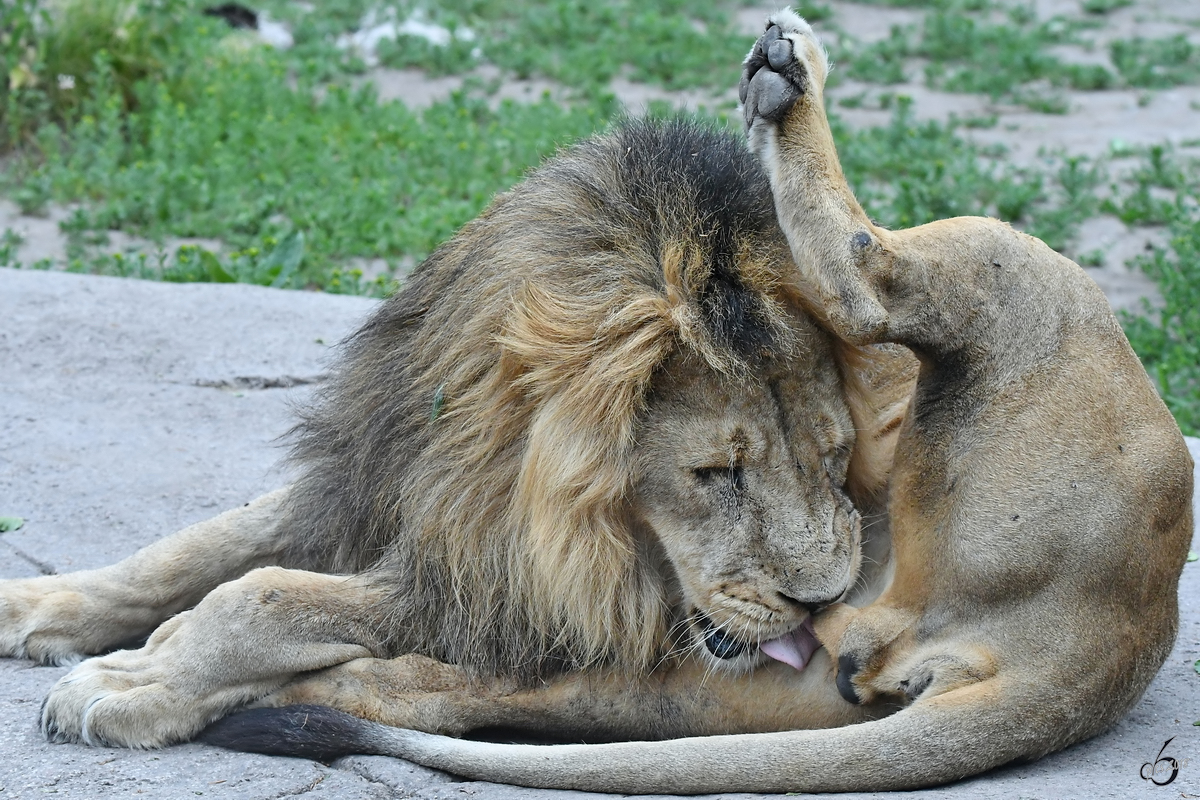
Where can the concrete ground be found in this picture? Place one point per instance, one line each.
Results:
(129, 409)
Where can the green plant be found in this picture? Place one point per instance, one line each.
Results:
(580, 43)
(1045, 102)
(1104, 6)
(968, 53)
(10, 240)
(1167, 339)
(134, 39)
(908, 172)
(277, 266)
(241, 156)
(1144, 201)
(23, 99)
(1165, 189)
(883, 61)
(1156, 63)
(813, 12)
(1069, 200)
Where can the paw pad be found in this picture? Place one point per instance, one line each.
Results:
(773, 78)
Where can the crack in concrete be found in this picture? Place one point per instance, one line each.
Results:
(41, 566)
(356, 769)
(310, 787)
(260, 382)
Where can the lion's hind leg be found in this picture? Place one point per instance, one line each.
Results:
(679, 698)
(410, 691)
(60, 619)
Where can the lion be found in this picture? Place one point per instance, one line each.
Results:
(595, 437)
(1039, 504)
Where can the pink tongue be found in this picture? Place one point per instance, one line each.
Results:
(795, 648)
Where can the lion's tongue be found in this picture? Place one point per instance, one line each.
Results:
(793, 648)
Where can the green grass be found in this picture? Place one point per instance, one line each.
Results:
(579, 43)
(908, 172)
(244, 157)
(1167, 339)
(1010, 58)
(1157, 63)
(1164, 189)
(249, 161)
(963, 52)
(174, 128)
(1104, 6)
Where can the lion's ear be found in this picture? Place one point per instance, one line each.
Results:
(585, 366)
(878, 382)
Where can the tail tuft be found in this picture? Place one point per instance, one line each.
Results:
(315, 732)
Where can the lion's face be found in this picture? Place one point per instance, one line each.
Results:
(741, 480)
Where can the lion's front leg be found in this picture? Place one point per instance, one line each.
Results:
(243, 640)
(782, 94)
(59, 619)
(969, 295)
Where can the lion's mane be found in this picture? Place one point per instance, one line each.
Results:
(474, 449)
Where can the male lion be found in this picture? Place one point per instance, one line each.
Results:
(593, 435)
(1040, 509)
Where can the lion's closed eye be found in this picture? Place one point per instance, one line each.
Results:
(731, 475)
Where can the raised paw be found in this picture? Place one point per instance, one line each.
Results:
(785, 63)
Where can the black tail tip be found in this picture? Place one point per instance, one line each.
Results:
(314, 732)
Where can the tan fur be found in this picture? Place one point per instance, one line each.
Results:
(553, 512)
(1039, 500)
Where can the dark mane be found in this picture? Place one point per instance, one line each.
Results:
(418, 459)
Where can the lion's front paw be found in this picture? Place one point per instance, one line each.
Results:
(785, 63)
(121, 700)
(867, 643)
(39, 620)
(880, 658)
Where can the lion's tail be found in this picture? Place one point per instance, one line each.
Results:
(954, 735)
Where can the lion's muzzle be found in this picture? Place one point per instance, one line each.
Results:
(794, 648)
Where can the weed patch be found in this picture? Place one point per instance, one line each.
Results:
(907, 173)
(1104, 6)
(248, 158)
(1157, 63)
(1168, 339)
(579, 43)
(974, 54)
(1165, 190)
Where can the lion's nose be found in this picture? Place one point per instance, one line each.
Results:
(811, 606)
